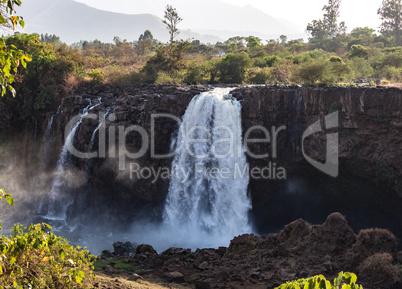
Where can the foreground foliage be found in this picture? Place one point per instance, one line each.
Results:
(37, 258)
(343, 281)
(10, 55)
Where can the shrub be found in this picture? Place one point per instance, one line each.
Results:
(260, 75)
(96, 76)
(169, 78)
(194, 75)
(259, 62)
(344, 280)
(392, 73)
(335, 106)
(44, 97)
(335, 59)
(339, 70)
(271, 60)
(233, 67)
(358, 51)
(360, 67)
(39, 259)
(312, 72)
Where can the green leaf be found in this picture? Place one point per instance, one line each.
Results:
(62, 254)
(22, 23)
(12, 260)
(9, 199)
(48, 226)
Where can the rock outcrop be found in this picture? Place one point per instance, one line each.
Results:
(300, 250)
(370, 126)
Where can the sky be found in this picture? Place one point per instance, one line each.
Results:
(356, 13)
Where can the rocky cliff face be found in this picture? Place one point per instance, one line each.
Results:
(370, 139)
(370, 127)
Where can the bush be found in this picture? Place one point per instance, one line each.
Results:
(194, 75)
(344, 280)
(39, 259)
(392, 73)
(96, 76)
(360, 67)
(166, 78)
(311, 73)
(260, 75)
(233, 67)
(358, 51)
(271, 60)
(336, 59)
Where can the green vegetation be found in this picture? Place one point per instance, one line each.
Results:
(96, 76)
(10, 56)
(39, 259)
(343, 281)
(390, 14)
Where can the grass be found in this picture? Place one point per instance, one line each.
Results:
(121, 264)
(121, 282)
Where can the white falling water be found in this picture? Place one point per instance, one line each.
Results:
(91, 143)
(209, 209)
(46, 144)
(57, 206)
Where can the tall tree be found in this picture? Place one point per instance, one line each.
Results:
(172, 19)
(328, 26)
(391, 15)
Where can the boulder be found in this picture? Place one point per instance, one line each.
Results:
(124, 248)
(176, 277)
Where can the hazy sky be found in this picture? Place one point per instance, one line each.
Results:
(356, 13)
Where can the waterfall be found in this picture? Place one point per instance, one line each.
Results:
(205, 208)
(47, 141)
(57, 206)
(91, 143)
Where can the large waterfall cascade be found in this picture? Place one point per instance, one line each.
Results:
(201, 204)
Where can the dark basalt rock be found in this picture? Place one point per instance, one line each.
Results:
(299, 250)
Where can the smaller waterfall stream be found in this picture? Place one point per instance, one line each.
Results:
(102, 121)
(57, 205)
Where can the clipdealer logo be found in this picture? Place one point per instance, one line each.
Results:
(119, 150)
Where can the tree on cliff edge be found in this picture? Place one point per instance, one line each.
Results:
(327, 27)
(391, 15)
(172, 19)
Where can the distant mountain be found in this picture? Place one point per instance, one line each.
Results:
(210, 21)
(74, 21)
(206, 15)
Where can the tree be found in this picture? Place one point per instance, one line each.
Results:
(391, 15)
(358, 51)
(283, 39)
(11, 57)
(48, 38)
(144, 44)
(362, 31)
(328, 27)
(172, 19)
(253, 42)
(233, 67)
(146, 36)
